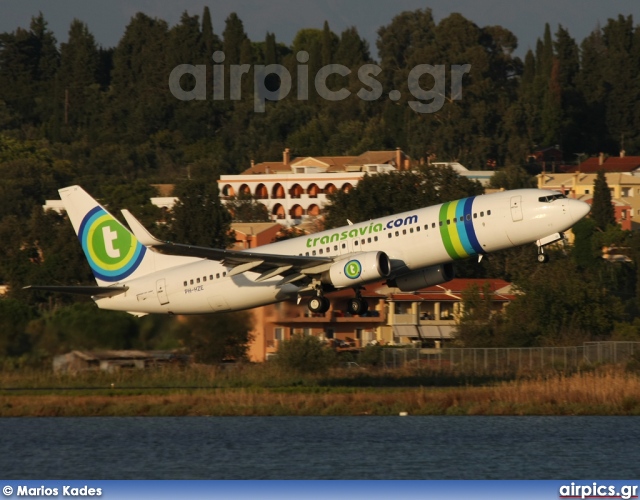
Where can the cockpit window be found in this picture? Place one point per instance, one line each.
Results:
(551, 197)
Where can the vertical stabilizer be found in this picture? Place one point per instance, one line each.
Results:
(114, 254)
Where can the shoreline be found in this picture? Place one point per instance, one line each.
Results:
(610, 392)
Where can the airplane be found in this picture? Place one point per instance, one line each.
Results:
(140, 274)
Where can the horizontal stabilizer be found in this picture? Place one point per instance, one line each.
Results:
(139, 231)
(95, 291)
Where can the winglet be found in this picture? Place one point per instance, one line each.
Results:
(139, 231)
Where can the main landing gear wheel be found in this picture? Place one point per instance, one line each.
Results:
(318, 304)
(357, 306)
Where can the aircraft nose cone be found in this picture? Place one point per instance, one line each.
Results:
(578, 209)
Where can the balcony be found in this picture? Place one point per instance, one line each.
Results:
(332, 316)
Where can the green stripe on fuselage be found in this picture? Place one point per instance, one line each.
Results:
(453, 230)
(449, 232)
(444, 231)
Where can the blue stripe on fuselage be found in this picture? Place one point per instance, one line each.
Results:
(468, 225)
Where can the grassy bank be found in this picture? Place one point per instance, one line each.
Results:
(204, 391)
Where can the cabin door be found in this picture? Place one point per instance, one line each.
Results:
(161, 290)
(516, 208)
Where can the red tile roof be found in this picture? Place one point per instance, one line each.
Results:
(611, 164)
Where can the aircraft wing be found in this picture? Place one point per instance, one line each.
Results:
(292, 267)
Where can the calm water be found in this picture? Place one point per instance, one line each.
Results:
(320, 448)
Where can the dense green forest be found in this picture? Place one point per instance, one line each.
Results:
(105, 118)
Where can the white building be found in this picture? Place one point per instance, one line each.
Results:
(482, 176)
(293, 190)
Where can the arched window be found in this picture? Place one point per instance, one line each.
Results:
(330, 188)
(347, 187)
(262, 193)
(313, 210)
(277, 192)
(313, 191)
(245, 189)
(296, 191)
(278, 211)
(296, 212)
(228, 190)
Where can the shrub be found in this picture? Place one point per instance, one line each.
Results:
(305, 355)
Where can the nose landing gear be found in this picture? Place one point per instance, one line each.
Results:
(543, 258)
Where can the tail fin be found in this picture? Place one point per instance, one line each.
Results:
(114, 254)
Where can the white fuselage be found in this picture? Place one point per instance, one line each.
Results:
(412, 240)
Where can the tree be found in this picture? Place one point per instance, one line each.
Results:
(352, 50)
(14, 317)
(199, 218)
(140, 100)
(81, 326)
(233, 37)
(210, 39)
(245, 208)
(563, 304)
(479, 325)
(620, 74)
(512, 177)
(78, 77)
(28, 64)
(213, 339)
(602, 210)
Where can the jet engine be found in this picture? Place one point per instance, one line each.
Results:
(423, 278)
(362, 268)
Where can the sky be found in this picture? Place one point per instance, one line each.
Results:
(525, 18)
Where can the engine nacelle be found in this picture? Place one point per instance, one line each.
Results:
(363, 268)
(430, 276)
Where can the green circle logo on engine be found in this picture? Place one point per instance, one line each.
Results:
(353, 269)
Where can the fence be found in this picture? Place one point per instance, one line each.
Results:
(511, 359)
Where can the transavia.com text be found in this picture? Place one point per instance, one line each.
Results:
(43, 491)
